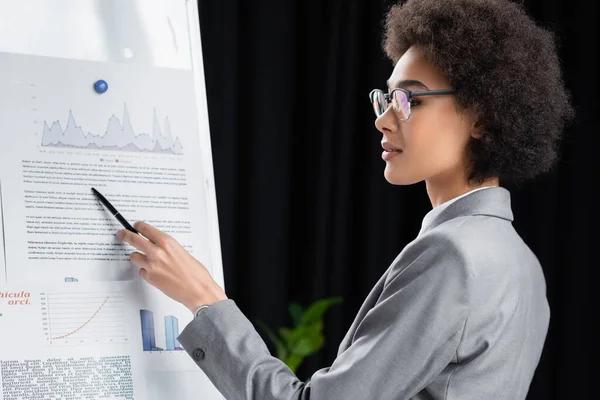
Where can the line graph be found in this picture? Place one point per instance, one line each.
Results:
(83, 318)
(117, 136)
(86, 322)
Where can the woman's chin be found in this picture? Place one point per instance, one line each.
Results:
(395, 177)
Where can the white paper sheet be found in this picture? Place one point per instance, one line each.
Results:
(61, 140)
(75, 318)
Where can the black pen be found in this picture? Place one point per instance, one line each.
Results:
(114, 212)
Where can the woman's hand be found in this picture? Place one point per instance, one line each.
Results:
(165, 264)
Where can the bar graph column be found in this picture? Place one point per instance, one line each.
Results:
(172, 331)
(149, 332)
(148, 336)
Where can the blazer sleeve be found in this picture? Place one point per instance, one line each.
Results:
(400, 346)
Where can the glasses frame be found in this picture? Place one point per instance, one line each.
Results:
(409, 96)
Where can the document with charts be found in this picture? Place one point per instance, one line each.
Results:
(76, 320)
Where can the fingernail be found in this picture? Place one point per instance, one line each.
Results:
(119, 234)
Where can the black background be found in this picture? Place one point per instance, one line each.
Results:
(304, 210)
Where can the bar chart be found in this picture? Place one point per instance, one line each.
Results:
(171, 326)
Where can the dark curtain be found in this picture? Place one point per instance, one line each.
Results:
(304, 210)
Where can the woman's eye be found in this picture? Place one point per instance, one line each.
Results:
(414, 103)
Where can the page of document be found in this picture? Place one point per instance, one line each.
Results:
(133, 143)
(73, 308)
(76, 320)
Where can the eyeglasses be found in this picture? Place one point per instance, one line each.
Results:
(401, 100)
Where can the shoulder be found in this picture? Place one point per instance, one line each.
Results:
(481, 245)
(435, 257)
(460, 246)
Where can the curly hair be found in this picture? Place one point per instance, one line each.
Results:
(506, 70)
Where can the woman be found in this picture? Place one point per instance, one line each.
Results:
(475, 95)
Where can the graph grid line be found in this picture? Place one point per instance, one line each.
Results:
(86, 322)
(77, 318)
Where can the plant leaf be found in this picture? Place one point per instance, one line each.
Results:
(296, 313)
(293, 361)
(296, 334)
(306, 337)
(280, 347)
(316, 310)
(307, 345)
(286, 334)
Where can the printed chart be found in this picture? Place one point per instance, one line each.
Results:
(83, 318)
(118, 136)
(149, 333)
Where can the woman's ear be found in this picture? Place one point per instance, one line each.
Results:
(477, 127)
(477, 132)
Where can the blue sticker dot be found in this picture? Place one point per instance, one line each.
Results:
(101, 86)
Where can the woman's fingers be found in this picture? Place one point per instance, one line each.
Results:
(135, 240)
(144, 274)
(139, 260)
(152, 233)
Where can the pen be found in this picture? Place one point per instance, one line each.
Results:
(114, 212)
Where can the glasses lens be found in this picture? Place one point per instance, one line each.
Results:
(401, 104)
(379, 102)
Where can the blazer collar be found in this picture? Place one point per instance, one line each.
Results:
(493, 202)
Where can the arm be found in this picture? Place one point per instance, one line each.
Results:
(400, 346)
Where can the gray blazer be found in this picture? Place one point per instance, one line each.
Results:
(460, 314)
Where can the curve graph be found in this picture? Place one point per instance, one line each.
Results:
(83, 318)
(119, 135)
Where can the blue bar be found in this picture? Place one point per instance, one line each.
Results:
(148, 337)
(172, 331)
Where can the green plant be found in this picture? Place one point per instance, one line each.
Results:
(305, 337)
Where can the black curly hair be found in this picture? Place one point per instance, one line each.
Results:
(506, 70)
